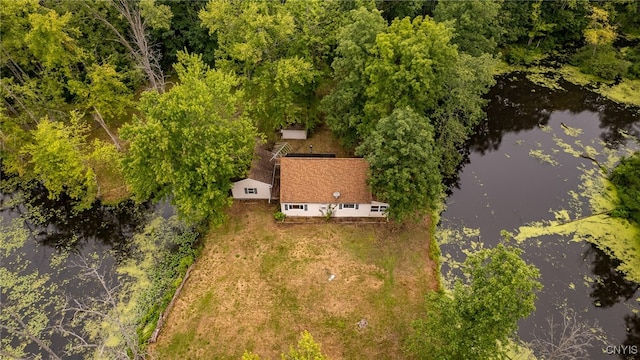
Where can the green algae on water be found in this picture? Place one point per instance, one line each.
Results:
(542, 157)
(615, 236)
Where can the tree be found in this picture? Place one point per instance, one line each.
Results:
(57, 156)
(568, 339)
(138, 43)
(191, 141)
(255, 41)
(599, 32)
(539, 27)
(411, 64)
(626, 178)
(306, 349)
(106, 96)
(476, 23)
(404, 163)
(356, 44)
(481, 312)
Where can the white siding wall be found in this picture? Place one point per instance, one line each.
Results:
(294, 134)
(263, 190)
(313, 210)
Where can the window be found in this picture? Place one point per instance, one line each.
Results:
(378, 208)
(295, 207)
(250, 191)
(349, 206)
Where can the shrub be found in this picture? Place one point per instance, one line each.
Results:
(520, 55)
(279, 216)
(626, 178)
(606, 63)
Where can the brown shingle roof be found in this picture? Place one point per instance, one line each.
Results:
(314, 180)
(261, 166)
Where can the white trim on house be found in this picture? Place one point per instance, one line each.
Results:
(251, 189)
(338, 210)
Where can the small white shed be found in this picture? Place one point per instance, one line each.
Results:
(257, 185)
(297, 134)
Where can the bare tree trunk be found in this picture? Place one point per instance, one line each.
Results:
(98, 117)
(107, 309)
(145, 57)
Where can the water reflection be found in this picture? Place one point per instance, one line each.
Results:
(519, 105)
(501, 186)
(54, 223)
(633, 336)
(610, 285)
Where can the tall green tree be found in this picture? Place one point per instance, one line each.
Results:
(58, 158)
(191, 141)
(476, 23)
(105, 96)
(403, 162)
(256, 39)
(599, 32)
(480, 314)
(409, 63)
(356, 45)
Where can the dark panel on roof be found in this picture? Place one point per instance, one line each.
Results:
(309, 155)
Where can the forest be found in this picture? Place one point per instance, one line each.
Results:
(107, 101)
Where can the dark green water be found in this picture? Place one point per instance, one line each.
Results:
(503, 187)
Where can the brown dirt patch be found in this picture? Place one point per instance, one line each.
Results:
(258, 284)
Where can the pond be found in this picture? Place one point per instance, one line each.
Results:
(59, 239)
(515, 173)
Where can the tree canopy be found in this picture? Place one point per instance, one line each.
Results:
(191, 141)
(626, 178)
(480, 314)
(404, 163)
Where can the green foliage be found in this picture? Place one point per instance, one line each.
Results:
(404, 163)
(409, 63)
(306, 349)
(626, 178)
(476, 23)
(279, 216)
(482, 312)
(176, 249)
(193, 140)
(607, 63)
(521, 55)
(57, 155)
(599, 32)
(156, 16)
(356, 44)
(255, 41)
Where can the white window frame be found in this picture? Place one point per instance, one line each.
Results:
(251, 191)
(296, 207)
(379, 208)
(350, 206)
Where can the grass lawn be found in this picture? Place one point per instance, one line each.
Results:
(258, 284)
(323, 142)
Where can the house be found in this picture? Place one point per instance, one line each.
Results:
(315, 186)
(258, 184)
